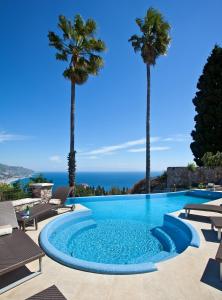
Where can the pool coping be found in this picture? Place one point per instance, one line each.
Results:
(116, 269)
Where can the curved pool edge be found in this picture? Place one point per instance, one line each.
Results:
(83, 265)
(115, 269)
(185, 226)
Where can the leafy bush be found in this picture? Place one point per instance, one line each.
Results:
(201, 186)
(39, 179)
(12, 191)
(212, 160)
(191, 167)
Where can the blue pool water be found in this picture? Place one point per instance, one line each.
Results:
(124, 230)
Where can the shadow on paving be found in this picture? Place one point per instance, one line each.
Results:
(210, 235)
(211, 275)
(197, 218)
(13, 276)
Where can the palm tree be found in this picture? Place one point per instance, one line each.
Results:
(79, 47)
(152, 43)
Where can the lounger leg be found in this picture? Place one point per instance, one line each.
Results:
(35, 223)
(219, 234)
(40, 265)
(187, 211)
(221, 271)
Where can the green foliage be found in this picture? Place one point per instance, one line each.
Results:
(82, 190)
(79, 47)
(154, 39)
(201, 186)
(4, 187)
(39, 179)
(12, 191)
(212, 160)
(191, 167)
(207, 135)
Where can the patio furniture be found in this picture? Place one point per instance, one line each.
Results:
(51, 293)
(217, 223)
(16, 249)
(219, 259)
(61, 194)
(35, 212)
(202, 207)
(210, 186)
(38, 210)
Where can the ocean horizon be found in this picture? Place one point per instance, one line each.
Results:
(103, 179)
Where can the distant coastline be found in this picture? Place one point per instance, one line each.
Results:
(10, 180)
(107, 180)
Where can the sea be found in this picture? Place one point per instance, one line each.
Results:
(103, 179)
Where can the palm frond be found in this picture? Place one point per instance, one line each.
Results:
(79, 46)
(90, 27)
(155, 37)
(62, 56)
(55, 41)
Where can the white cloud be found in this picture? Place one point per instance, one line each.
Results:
(55, 158)
(129, 146)
(6, 137)
(159, 148)
(177, 138)
(113, 148)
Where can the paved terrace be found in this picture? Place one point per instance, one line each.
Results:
(192, 275)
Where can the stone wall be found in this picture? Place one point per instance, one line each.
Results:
(42, 190)
(181, 177)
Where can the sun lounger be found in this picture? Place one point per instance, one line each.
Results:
(16, 249)
(59, 197)
(219, 259)
(202, 207)
(217, 223)
(41, 209)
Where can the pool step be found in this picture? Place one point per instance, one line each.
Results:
(165, 239)
(180, 238)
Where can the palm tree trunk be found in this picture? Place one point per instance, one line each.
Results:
(71, 158)
(148, 130)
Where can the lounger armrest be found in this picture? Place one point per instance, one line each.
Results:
(5, 229)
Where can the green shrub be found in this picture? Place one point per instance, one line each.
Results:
(212, 160)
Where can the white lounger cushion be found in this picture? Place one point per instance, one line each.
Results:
(55, 201)
(5, 229)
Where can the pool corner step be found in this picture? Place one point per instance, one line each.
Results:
(165, 239)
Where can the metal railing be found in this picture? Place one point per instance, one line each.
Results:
(13, 195)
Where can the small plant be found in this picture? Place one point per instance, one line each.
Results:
(27, 210)
(191, 167)
(201, 186)
(212, 160)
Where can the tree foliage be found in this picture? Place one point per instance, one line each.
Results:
(212, 160)
(79, 47)
(154, 39)
(191, 167)
(207, 135)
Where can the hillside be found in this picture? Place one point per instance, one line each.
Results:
(7, 172)
(158, 184)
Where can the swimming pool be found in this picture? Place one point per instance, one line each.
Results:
(122, 234)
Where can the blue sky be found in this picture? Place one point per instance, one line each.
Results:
(110, 112)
